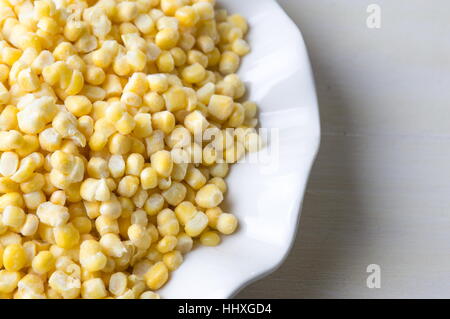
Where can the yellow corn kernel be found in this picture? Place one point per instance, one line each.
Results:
(4, 94)
(119, 144)
(195, 56)
(143, 127)
(78, 105)
(167, 244)
(118, 283)
(139, 236)
(76, 83)
(227, 224)
(30, 226)
(184, 243)
(8, 280)
(187, 16)
(10, 55)
(112, 245)
(213, 215)
(238, 21)
(209, 196)
(13, 217)
(66, 285)
(214, 57)
(116, 166)
(195, 178)
(8, 186)
(210, 238)
(126, 11)
(128, 186)
(135, 164)
(8, 118)
(64, 50)
(175, 194)
(11, 199)
(164, 121)
(9, 163)
(157, 276)
(220, 107)
(106, 224)
(136, 59)
(31, 286)
(82, 224)
(97, 167)
(74, 29)
(154, 204)
(204, 9)
(28, 80)
(165, 62)
(43, 262)
(173, 260)
(149, 178)
(154, 102)
(144, 23)
(126, 124)
(162, 163)
(58, 198)
(66, 236)
(14, 257)
(52, 215)
(167, 38)
(91, 256)
(240, 47)
(194, 73)
(185, 211)
(93, 289)
(158, 83)
(196, 225)
(229, 62)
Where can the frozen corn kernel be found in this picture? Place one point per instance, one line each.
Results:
(13, 217)
(43, 262)
(118, 283)
(162, 163)
(196, 225)
(210, 238)
(209, 196)
(227, 223)
(14, 257)
(173, 260)
(78, 105)
(66, 236)
(157, 276)
(93, 289)
(8, 280)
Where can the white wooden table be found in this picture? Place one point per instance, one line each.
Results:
(379, 192)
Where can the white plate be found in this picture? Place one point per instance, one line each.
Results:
(265, 197)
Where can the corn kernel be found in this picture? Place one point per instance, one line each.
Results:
(8, 280)
(66, 236)
(157, 276)
(14, 258)
(43, 262)
(210, 238)
(13, 217)
(78, 105)
(227, 224)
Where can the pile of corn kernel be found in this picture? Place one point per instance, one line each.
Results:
(99, 100)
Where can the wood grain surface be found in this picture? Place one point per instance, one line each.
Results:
(379, 190)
